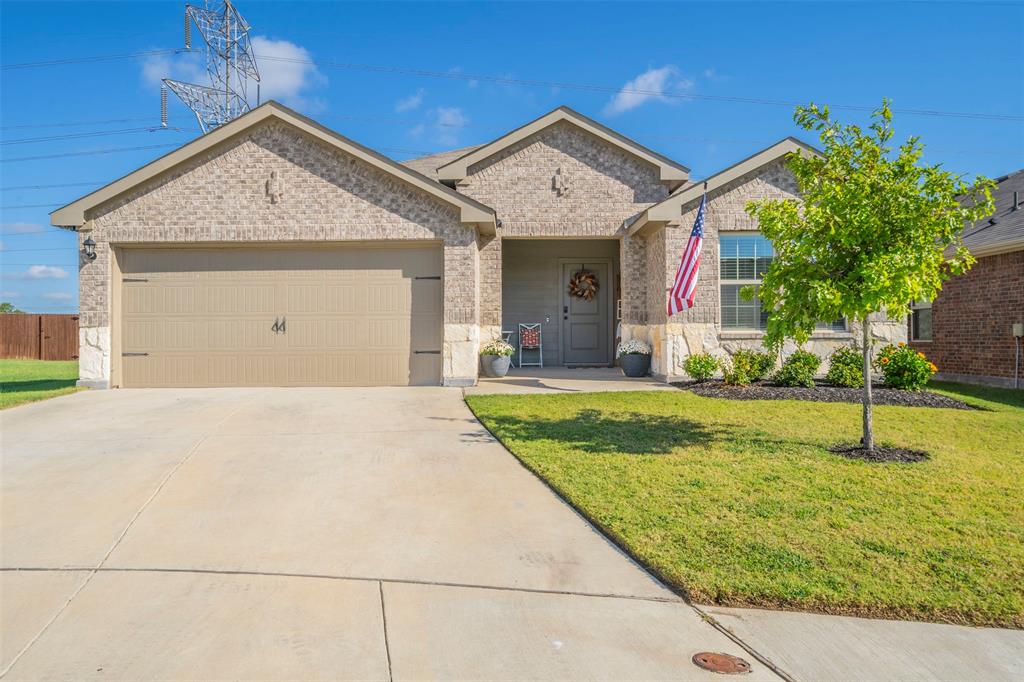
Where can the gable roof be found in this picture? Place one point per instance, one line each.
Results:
(670, 209)
(1003, 231)
(670, 172)
(471, 211)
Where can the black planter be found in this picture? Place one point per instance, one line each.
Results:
(495, 365)
(635, 364)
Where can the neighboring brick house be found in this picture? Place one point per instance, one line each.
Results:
(967, 331)
(273, 251)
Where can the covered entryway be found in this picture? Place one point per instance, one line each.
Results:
(536, 274)
(330, 315)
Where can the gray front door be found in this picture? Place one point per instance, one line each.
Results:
(586, 325)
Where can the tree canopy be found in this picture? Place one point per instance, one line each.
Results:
(876, 229)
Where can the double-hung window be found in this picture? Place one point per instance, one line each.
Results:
(743, 259)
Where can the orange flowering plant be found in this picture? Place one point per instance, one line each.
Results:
(903, 367)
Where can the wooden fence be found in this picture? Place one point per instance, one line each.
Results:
(38, 337)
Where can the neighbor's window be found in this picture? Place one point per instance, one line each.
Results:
(743, 260)
(921, 321)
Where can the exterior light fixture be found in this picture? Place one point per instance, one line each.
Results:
(89, 248)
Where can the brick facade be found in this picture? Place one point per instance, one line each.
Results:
(604, 187)
(972, 319)
(328, 195)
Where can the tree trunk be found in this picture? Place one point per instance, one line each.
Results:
(869, 439)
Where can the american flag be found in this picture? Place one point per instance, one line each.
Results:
(684, 289)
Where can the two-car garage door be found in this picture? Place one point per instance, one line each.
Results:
(324, 316)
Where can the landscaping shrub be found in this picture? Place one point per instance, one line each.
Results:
(846, 368)
(904, 368)
(798, 369)
(701, 366)
(747, 366)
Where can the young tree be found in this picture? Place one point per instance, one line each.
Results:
(875, 231)
(6, 307)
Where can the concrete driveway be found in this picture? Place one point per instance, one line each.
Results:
(307, 534)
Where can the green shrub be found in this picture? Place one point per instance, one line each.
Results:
(700, 366)
(904, 368)
(846, 368)
(747, 366)
(798, 369)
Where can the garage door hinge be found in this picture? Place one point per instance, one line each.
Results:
(431, 277)
(134, 279)
(133, 355)
(426, 352)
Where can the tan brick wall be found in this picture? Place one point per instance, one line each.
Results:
(725, 212)
(327, 195)
(605, 187)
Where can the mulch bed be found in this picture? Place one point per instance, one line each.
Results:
(822, 393)
(880, 454)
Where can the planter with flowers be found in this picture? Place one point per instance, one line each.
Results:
(634, 358)
(495, 357)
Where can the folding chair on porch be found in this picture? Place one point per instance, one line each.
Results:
(530, 339)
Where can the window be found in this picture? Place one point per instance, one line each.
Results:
(921, 321)
(743, 260)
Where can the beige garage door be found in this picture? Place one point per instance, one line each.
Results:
(329, 316)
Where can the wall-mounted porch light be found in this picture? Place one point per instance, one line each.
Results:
(89, 248)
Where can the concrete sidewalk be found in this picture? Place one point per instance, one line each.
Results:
(565, 380)
(272, 534)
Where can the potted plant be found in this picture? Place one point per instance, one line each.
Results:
(496, 357)
(634, 358)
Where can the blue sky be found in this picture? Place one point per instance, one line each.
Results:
(954, 57)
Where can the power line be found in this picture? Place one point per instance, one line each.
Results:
(89, 153)
(66, 184)
(5, 207)
(73, 124)
(422, 73)
(500, 80)
(97, 133)
(32, 234)
(85, 60)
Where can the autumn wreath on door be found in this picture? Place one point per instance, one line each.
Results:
(583, 284)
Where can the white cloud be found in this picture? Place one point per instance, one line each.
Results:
(21, 228)
(187, 67)
(447, 123)
(411, 102)
(287, 81)
(46, 272)
(417, 130)
(10, 294)
(57, 296)
(651, 85)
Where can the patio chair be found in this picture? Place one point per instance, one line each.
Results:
(530, 339)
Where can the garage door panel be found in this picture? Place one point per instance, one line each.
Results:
(205, 317)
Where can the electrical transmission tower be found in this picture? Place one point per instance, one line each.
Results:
(230, 66)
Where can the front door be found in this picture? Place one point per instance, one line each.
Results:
(586, 324)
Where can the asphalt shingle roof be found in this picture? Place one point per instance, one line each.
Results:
(428, 165)
(1006, 226)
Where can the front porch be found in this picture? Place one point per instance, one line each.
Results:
(565, 380)
(575, 330)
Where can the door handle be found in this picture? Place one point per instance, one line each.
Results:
(284, 329)
(277, 326)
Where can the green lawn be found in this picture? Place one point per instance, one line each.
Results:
(740, 503)
(24, 381)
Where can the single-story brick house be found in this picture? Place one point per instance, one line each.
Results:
(274, 251)
(968, 329)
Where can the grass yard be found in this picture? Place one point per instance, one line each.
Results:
(740, 503)
(25, 381)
